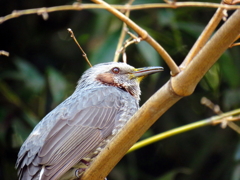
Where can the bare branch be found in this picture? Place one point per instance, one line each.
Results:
(128, 42)
(203, 38)
(225, 121)
(231, 1)
(206, 122)
(143, 34)
(214, 107)
(43, 12)
(163, 99)
(203, 61)
(84, 54)
(4, 53)
(78, 7)
(235, 44)
(122, 35)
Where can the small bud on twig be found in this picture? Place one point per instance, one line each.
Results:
(4, 53)
(84, 54)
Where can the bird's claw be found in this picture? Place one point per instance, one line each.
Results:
(79, 172)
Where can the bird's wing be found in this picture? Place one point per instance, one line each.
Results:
(78, 130)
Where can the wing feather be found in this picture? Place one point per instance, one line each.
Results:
(73, 129)
(69, 137)
(72, 157)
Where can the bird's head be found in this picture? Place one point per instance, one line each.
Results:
(120, 75)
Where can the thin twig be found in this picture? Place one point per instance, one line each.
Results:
(120, 42)
(4, 53)
(235, 44)
(144, 35)
(214, 107)
(84, 54)
(163, 99)
(226, 121)
(232, 125)
(132, 40)
(122, 35)
(203, 38)
(128, 42)
(231, 2)
(206, 122)
(79, 7)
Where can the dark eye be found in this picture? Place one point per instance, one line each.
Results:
(115, 70)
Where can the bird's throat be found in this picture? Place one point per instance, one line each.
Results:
(107, 79)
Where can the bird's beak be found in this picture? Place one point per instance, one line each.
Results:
(145, 71)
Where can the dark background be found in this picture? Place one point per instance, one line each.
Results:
(45, 64)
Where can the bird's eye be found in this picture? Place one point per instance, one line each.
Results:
(115, 70)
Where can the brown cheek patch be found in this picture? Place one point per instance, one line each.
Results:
(105, 78)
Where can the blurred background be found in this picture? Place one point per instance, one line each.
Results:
(45, 64)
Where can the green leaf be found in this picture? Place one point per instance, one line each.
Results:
(166, 17)
(236, 172)
(11, 96)
(229, 70)
(172, 174)
(21, 133)
(149, 53)
(57, 85)
(14, 99)
(30, 76)
(193, 29)
(237, 154)
(231, 98)
(211, 79)
(106, 50)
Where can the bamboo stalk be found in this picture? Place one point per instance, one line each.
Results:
(163, 99)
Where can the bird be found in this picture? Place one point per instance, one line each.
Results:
(106, 97)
